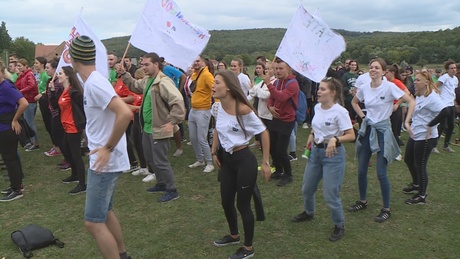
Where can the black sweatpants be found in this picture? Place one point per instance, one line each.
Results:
(9, 152)
(238, 177)
(71, 150)
(280, 133)
(416, 159)
(136, 134)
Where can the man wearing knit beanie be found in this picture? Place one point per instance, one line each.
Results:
(108, 157)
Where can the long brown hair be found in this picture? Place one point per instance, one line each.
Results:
(73, 79)
(234, 87)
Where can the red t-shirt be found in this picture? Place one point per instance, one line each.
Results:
(400, 85)
(65, 104)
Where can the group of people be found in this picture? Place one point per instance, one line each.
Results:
(143, 108)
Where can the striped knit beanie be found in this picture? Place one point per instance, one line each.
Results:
(83, 50)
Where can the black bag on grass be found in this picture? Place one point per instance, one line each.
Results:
(34, 237)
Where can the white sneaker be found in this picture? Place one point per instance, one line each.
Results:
(178, 153)
(149, 178)
(189, 143)
(435, 150)
(142, 171)
(398, 158)
(197, 164)
(305, 126)
(209, 168)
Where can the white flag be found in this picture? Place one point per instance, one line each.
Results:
(163, 29)
(309, 45)
(80, 27)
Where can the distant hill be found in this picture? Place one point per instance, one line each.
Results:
(412, 47)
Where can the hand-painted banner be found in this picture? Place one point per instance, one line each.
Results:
(80, 27)
(309, 45)
(163, 29)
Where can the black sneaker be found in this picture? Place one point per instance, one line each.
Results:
(338, 233)
(284, 180)
(170, 195)
(157, 188)
(132, 169)
(78, 189)
(28, 145)
(276, 175)
(9, 190)
(292, 157)
(32, 148)
(410, 189)
(242, 253)
(383, 216)
(304, 216)
(70, 179)
(416, 199)
(359, 205)
(227, 240)
(11, 196)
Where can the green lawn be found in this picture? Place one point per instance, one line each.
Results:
(185, 228)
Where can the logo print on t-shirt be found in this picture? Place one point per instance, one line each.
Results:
(235, 129)
(382, 97)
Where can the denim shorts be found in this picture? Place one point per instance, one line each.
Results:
(99, 195)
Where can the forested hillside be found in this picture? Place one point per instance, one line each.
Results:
(413, 47)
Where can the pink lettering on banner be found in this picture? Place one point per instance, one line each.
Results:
(169, 7)
(73, 34)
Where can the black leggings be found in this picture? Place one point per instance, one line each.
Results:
(396, 122)
(46, 114)
(416, 159)
(449, 122)
(9, 152)
(71, 150)
(238, 176)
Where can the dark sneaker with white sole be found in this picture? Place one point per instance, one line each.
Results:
(359, 205)
(70, 179)
(170, 195)
(227, 240)
(338, 233)
(410, 189)
(11, 196)
(242, 253)
(301, 217)
(383, 216)
(416, 199)
(78, 189)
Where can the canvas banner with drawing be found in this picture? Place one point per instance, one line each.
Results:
(309, 45)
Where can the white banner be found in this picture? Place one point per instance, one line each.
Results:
(309, 45)
(163, 29)
(80, 27)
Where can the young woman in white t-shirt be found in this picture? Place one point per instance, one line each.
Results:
(236, 124)
(429, 111)
(331, 126)
(375, 135)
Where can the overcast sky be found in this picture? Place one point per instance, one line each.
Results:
(50, 21)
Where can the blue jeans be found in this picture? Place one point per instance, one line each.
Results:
(363, 164)
(99, 195)
(331, 170)
(29, 116)
(198, 125)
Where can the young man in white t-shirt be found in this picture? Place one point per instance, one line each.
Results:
(447, 84)
(107, 118)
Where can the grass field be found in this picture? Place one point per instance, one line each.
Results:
(185, 228)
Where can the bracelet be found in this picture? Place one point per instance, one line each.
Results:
(337, 139)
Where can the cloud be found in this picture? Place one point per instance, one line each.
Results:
(49, 22)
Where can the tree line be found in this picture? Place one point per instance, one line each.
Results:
(414, 48)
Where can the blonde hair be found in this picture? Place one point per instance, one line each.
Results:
(431, 85)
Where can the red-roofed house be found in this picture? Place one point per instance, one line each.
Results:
(49, 51)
